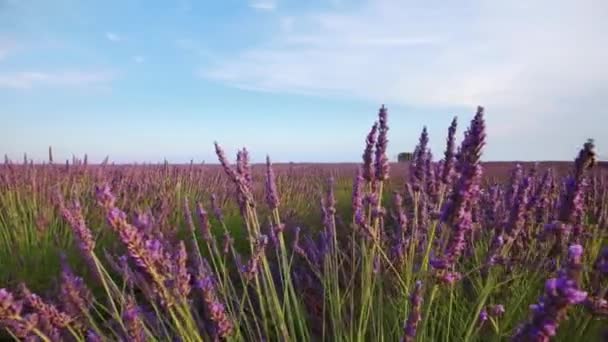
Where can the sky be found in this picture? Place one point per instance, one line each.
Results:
(302, 81)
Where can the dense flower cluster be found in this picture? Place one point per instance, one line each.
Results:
(187, 253)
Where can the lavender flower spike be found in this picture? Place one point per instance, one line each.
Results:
(370, 141)
(382, 166)
(560, 294)
(204, 221)
(415, 314)
(215, 308)
(357, 198)
(272, 195)
(75, 297)
(133, 322)
(418, 165)
(448, 160)
(73, 215)
(465, 194)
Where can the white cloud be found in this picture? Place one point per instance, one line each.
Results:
(528, 63)
(32, 79)
(139, 59)
(263, 5)
(114, 37)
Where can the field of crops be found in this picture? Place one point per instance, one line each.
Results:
(444, 249)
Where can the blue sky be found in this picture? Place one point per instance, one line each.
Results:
(299, 80)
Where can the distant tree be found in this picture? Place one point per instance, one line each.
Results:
(404, 157)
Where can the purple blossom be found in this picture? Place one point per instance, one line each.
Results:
(572, 204)
(419, 162)
(449, 156)
(182, 276)
(415, 315)
(252, 268)
(73, 215)
(514, 183)
(357, 198)
(51, 320)
(240, 178)
(483, 316)
(75, 296)
(517, 217)
(370, 141)
(560, 293)
(381, 162)
(104, 196)
(133, 321)
(215, 309)
(217, 210)
(204, 221)
(465, 193)
(243, 167)
(272, 195)
(10, 309)
(328, 205)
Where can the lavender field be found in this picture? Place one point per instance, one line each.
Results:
(442, 248)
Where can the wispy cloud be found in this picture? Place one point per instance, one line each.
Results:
(139, 59)
(527, 63)
(33, 79)
(114, 37)
(263, 5)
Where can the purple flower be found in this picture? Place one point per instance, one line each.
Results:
(328, 206)
(93, 337)
(382, 165)
(415, 315)
(182, 276)
(217, 210)
(133, 321)
(483, 316)
(272, 195)
(370, 141)
(418, 164)
(457, 211)
(517, 218)
(240, 178)
(215, 309)
(540, 200)
(75, 296)
(560, 293)
(104, 196)
(51, 321)
(243, 168)
(73, 215)
(572, 204)
(10, 308)
(514, 183)
(357, 198)
(204, 221)
(448, 161)
(252, 268)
